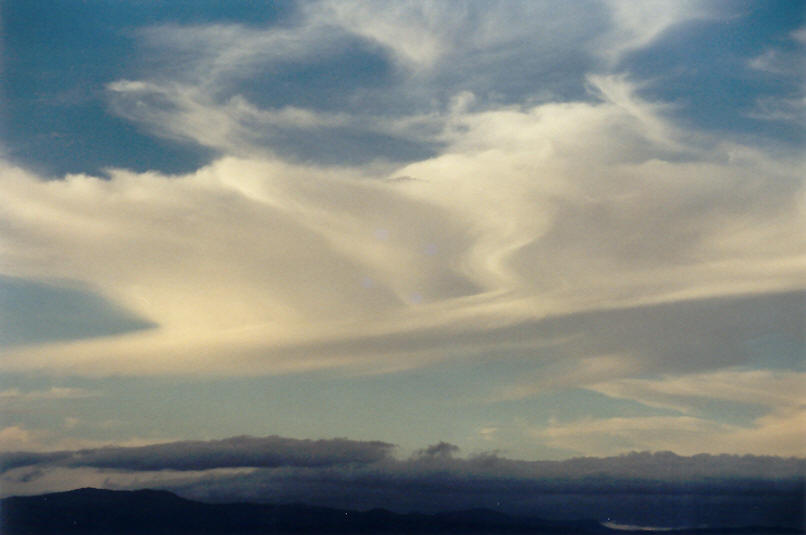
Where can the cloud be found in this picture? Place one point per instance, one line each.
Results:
(216, 54)
(22, 446)
(15, 437)
(410, 30)
(436, 479)
(408, 487)
(781, 109)
(425, 37)
(784, 59)
(551, 213)
(236, 452)
(780, 430)
(280, 454)
(433, 484)
(15, 395)
(40, 480)
(612, 435)
(220, 97)
(235, 127)
(703, 406)
(443, 449)
(636, 26)
(265, 260)
(686, 341)
(762, 387)
(755, 502)
(784, 63)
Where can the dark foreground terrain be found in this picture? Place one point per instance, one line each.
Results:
(160, 512)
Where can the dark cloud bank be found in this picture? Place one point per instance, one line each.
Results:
(637, 488)
(235, 452)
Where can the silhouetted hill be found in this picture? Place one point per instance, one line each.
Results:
(152, 511)
(96, 511)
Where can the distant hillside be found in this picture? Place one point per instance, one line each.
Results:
(151, 511)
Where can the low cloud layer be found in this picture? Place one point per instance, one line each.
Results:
(236, 452)
(343, 473)
(275, 452)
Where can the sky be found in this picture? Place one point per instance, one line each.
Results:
(519, 230)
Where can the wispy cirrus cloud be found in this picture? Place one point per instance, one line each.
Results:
(398, 185)
(778, 393)
(435, 52)
(762, 387)
(319, 255)
(780, 430)
(636, 26)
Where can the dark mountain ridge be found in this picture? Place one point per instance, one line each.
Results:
(97, 511)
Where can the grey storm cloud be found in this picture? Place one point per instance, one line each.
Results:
(235, 452)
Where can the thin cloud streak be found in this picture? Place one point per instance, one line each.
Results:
(15, 395)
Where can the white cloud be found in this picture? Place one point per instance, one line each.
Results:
(760, 387)
(15, 395)
(779, 430)
(435, 45)
(565, 373)
(424, 36)
(71, 422)
(617, 435)
(17, 438)
(234, 127)
(792, 110)
(785, 64)
(215, 55)
(637, 24)
(413, 31)
(527, 212)
(254, 264)
(784, 61)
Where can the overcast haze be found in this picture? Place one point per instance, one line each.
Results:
(532, 230)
